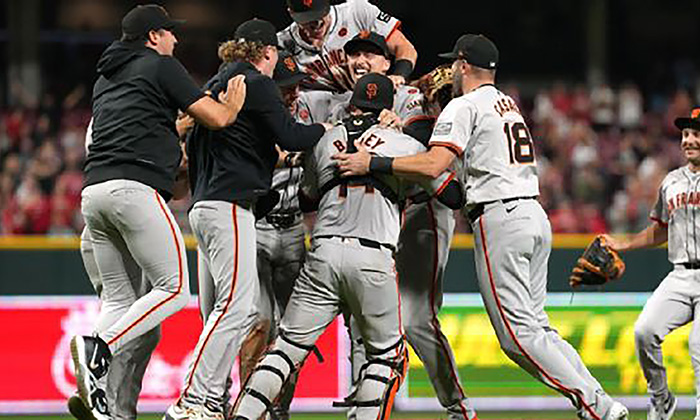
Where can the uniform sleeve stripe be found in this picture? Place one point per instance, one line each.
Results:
(394, 29)
(444, 184)
(659, 221)
(453, 147)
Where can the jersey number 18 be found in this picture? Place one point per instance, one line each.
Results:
(520, 147)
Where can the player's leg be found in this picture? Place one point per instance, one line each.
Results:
(669, 307)
(507, 239)
(423, 251)
(370, 291)
(313, 306)
(284, 276)
(127, 369)
(226, 234)
(260, 336)
(154, 240)
(106, 254)
(694, 349)
(205, 285)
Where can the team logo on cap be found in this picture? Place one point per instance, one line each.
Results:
(308, 3)
(290, 64)
(695, 113)
(371, 90)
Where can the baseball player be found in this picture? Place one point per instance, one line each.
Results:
(230, 172)
(319, 31)
(674, 302)
(484, 129)
(424, 242)
(280, 234)
(129, 176)
(128, 367)
(368, 52)
(350, 267)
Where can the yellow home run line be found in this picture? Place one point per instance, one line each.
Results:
(460, 241)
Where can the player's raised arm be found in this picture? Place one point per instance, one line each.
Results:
(405, 53)
(654, 235)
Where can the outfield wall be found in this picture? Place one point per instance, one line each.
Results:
(38, 377)
(52, 266)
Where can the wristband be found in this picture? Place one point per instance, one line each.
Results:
(381, 165)
(403, 68)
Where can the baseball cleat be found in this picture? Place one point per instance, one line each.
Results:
(80, 411)
(177, 412)
(91, 358)
(206, 414)
(617, 412)
(663, 410)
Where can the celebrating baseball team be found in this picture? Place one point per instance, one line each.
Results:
(324, 117)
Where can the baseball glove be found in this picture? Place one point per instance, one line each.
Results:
(436, 85)
(598, 265)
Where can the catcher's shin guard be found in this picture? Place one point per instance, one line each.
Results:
(263, 386)
(380, 379)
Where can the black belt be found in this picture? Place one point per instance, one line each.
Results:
(692, 265)
(478, 209)
(282, 220)
(364, 242)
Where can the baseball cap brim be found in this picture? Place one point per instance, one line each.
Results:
(685, 122)
(357, 44)
(174, 24)
(292, 80)
(364, 104)
(310, 16)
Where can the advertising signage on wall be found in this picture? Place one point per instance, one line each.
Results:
(36, 364)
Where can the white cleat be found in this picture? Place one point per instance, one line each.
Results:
(617, 412)
(177, 412)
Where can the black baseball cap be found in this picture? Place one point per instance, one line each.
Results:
(148, 17)
(257, 30)
(374, 92)
(692, 122)
(477, 50)
(367, 41)
(287, 71)
(304, 11)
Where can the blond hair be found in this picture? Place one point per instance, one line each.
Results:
(239, 50)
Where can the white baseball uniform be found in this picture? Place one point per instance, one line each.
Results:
(513, 240)
(328, 65)
(676, 301)
(424, 246)
(350, 269)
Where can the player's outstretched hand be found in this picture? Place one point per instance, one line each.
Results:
(389, 119)
(619, 245)
(235, 93)
(398, 80)
(350, 164)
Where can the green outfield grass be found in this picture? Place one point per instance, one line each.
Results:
(506, 415)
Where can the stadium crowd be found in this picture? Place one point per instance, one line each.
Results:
(599, 151)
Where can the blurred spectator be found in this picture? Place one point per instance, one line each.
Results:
(601, 154)
(602, 107)
(630, 110)
(28, 211)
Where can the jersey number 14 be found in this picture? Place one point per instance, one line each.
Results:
(520, 147)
